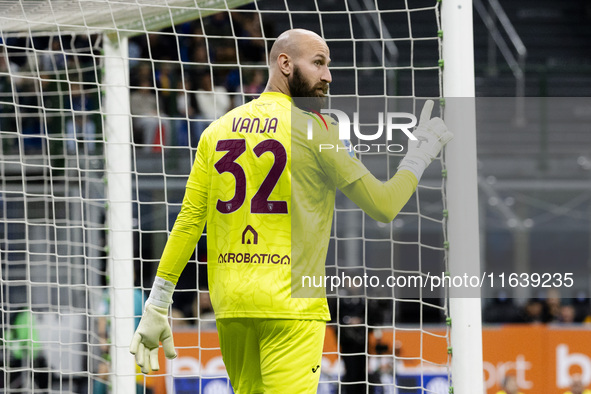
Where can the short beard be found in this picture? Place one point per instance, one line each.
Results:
(300, 88)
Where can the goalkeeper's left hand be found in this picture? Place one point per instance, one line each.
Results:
(154, 328)
(431, 136)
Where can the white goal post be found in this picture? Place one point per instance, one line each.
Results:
(68, 200)
(119, 180)
(462, 192)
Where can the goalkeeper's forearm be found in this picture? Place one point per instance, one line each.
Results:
(184, 236)
(382, 201)
(154, 327)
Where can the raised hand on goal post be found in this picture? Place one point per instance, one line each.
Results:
(431, 136)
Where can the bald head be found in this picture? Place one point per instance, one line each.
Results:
(293, 43)
(299, 61)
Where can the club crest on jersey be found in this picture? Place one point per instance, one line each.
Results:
(250, 236)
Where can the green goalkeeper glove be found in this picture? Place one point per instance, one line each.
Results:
(154, 328)
(432, 134)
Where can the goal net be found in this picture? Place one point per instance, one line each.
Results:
(102, 104)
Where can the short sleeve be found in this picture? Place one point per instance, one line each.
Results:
(336, 157)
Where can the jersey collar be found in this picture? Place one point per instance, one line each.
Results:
(276, 96)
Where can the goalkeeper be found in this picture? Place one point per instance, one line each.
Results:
(267, 195)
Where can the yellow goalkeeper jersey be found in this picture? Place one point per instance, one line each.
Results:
(267, 193)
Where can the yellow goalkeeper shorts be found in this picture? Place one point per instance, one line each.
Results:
(272, 356)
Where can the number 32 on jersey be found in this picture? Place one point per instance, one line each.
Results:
(260, 201)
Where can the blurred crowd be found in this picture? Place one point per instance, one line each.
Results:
(181, 79)
(191, 77)
(548, 307)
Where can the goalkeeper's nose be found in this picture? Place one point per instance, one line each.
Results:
(326, 76)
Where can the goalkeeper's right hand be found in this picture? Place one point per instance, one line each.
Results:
(154, 328)
(431, 135)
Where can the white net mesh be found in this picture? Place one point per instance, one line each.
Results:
(190, 62)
